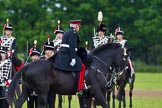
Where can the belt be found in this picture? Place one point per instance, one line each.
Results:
(67, 46)
(64, 45)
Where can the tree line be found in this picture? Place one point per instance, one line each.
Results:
(140, 19)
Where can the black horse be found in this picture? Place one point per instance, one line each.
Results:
(41, 76)
(121, 79)
(117, 62)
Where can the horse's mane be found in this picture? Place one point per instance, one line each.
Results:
(105, 46)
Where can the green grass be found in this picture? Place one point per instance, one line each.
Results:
(148, 81)
(146, 102)
(144, 81)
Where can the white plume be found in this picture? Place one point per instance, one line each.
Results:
(100, 16)
(35, 41)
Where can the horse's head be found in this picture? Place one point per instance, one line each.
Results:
(112, 54)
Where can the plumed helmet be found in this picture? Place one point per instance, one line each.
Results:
(118, 31)
(49, 45)
(7, 26)
(58, 29)
(101, 27)
(35, 50)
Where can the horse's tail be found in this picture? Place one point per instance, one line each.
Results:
(11, 95)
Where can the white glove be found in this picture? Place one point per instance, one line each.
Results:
(73, 62)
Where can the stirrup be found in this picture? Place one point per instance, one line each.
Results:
(85, 86)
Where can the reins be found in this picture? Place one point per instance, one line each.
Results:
(108, 83)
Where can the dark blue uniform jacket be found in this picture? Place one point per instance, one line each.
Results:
(65, 54)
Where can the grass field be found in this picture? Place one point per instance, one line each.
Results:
(144, 81)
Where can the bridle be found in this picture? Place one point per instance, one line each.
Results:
(117, 71)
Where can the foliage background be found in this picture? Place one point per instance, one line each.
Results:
(140, 19)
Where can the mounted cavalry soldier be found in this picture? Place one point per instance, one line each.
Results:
(69, 55)
(120, 39)
(9, 42)
(101, 30)
(5, 76)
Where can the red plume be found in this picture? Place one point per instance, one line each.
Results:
(48, 36)
(116, 30)
(4, 26)
(0, 41)
(30, 51)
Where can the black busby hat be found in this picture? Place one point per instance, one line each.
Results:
(35, 50)
(118, 31)
(3, 50)
(58, 29)
(101, 27)
(49, 45)
(8, 27)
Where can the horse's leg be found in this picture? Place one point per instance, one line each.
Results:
(131, 86)
(124, 100)
(108, 98)
(42, 100)
(119, 97)
(18, 90)
(94, 103)
(113, 97)
(69, 99)
(85, 101)
(21, 98)
(100, 98)
(60, 101)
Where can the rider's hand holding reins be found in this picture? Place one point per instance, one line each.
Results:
(73, 62)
